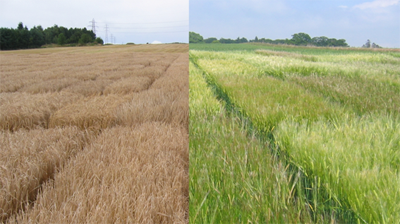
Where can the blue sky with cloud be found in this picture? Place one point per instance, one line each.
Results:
(354, 20)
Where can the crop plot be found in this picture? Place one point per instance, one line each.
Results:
(330, 116)
(94, 134)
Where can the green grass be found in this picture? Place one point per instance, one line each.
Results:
(333, 118)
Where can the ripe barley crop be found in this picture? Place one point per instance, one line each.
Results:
(52, 85)
(89, 87)
(127, 175)
(29, 158)
(128, 85)
(105, 124)
(23, 110)
(95, 112)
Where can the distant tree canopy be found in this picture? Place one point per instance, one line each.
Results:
(297, 39)
(210, 40)
(22, 37)
(301, 39)
(369, 45)
(230, 41)
(195, 38)
(100, 41)
(61, 39)
(305, 39)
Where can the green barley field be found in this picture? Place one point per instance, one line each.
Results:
(283, 134)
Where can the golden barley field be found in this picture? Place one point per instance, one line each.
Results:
(94, 134)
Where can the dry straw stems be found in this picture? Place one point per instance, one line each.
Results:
(52, 85)
(129, 85)
(23, 110)
(95, 112)
(125, 176)
(29, 158)
(89, 87)
(94, 135)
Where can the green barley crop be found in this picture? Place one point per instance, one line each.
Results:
(333, 115)
(233, 176)
(356, 160)
(201, 98)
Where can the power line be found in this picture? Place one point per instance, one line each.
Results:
(138, 32)
(137, 28)
(106, 39)
(93, 25)
(148, 27)
(151, 22)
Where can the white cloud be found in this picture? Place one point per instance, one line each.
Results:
(259, 6)
(378, 11)
(376, 4)
(343, 6)
(156, 42)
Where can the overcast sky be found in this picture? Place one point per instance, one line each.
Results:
(353, 20)
(136, 21)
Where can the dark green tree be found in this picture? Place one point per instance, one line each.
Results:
(85, 38)
(23, 40)
(100, 41)
(195, 37)
(22, 37)
(20, 26)
(210, 40)
(74, 38)
(61, 40)
(226, 41)
(319, 41)
(301, 39)
(36, 37)
(8, 39)
(341, 43)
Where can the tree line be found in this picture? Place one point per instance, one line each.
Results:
(23, 38)
(369, 45)
(300, 39)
